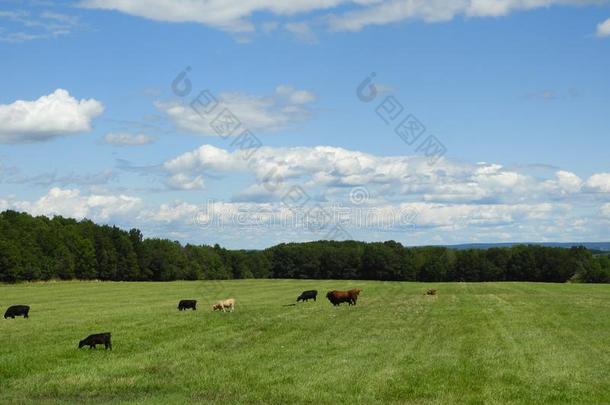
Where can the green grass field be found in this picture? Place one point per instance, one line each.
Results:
(491, 343)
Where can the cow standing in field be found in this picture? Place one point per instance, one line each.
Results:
(17, 310)
(338, 297)
(224, 305)
(186, 304)
(308, 295)
(97, 339)
(354, 293)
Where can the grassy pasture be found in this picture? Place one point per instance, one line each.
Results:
(487, 343)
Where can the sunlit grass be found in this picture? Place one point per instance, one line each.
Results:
(496, 343)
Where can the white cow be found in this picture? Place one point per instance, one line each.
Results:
(225, 304)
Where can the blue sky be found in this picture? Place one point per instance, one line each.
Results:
(516, 92)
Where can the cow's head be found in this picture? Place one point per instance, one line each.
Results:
(81, 343)
(217, 306)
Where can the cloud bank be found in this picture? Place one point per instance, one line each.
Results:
(342, 15)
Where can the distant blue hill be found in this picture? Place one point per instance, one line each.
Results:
(604, 246)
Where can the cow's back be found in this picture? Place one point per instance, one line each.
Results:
(17, 310)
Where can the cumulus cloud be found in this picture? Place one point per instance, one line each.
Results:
(401, 197)
(565, 183)
(50, 116)
(603, 29)
(72, 203)
(234, 223)
(127, 139)
(330, 172)
(181, 181)
(420, 222)
(391, 216)
(599, 182)
(286, 106)
(568, 181)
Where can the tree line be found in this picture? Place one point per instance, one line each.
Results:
(41, 248)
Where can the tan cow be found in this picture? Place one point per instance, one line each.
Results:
(225, 304)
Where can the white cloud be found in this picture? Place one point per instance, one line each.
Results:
(599, 182)
(569, 181)
(565, 183)
(181, 181)
(295, 96)
(229, 15)
(275, 222)
(205, 157)
(605, 210)
(71, 203)
(331, 171)
(127, 139)
(234, 223)
(175, 212)
(50, 116)
(392, 11)
(28, 26)
(285, 107)
(235, 15)
(302, 31)
(603, 28)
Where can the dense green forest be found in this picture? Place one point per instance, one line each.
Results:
(39, 248)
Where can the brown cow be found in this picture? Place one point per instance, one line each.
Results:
(338, 297)
(354, 293)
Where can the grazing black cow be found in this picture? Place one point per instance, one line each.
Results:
(308, 295)
(17, 310)
(186, 304)
(96, 339)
